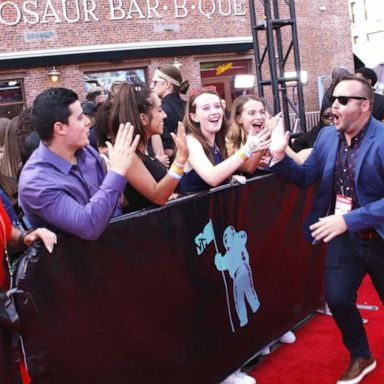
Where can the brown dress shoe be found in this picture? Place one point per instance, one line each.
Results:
(358, 368)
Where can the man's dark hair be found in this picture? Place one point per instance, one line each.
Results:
(366, 87)
(31, 142)
(91, 96)
(368, 74)
(24, 127)
(102, 124)
(89, 107)
(51, 106)
(339, 72)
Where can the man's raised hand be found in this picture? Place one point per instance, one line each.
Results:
(122, 152)
(279, 140)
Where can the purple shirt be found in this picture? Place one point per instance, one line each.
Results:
(79, 199)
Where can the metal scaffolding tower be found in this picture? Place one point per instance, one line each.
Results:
(269, 33)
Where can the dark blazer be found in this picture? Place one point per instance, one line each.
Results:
(369, 178)
(173, 105)
(378, 107)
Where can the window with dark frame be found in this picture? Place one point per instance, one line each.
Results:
(12, 99)
(105, 79)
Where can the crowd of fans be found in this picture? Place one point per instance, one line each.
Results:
(71, 166)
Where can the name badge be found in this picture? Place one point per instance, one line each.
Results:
(343, 204)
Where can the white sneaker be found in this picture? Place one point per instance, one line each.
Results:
(288, 338)
(239, 377)
(265, 351)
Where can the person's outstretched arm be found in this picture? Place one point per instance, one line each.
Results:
(159, 192)
(214, 175)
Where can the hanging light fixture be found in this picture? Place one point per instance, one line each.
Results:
(54, 75)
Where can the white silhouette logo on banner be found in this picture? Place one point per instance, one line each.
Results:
(236, 262)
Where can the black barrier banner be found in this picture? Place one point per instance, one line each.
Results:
(184, 293)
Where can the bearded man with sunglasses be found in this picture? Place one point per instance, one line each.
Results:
(347, 161)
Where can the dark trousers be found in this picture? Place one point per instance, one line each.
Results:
(348, 260)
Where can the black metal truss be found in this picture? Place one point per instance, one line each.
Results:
(270, 27)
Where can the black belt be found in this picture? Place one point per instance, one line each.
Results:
(368, 234)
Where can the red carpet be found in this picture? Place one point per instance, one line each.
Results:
(318, 356)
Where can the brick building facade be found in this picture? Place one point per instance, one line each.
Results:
(211, 38)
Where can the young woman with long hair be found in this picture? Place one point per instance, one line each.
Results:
(248, 117)
(149, 181)
(209, 164)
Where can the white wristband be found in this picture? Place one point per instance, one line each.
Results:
(174, 175)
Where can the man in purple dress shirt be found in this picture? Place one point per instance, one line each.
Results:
(347, 161)
(64, 185)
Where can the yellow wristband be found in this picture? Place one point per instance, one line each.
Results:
(177, 169)
(242, 155)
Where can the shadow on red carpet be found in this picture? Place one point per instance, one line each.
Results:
(318, 356)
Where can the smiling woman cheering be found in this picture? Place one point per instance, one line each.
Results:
(208, 163)
(149, 182)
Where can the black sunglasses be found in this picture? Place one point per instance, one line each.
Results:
(343, 100)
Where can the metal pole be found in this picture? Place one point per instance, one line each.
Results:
(272, 57)
(300, 93)
(283, 88)
(256, 48)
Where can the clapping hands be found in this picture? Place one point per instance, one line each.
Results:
(121, 153)
(279, 140)
(258, 142)
(271, 123)
(180, 141)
